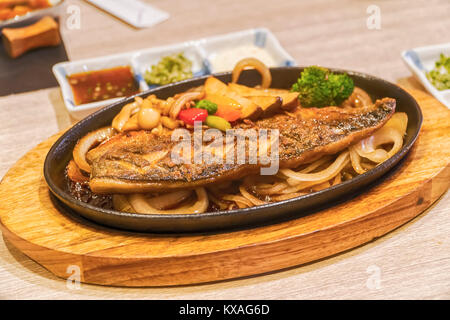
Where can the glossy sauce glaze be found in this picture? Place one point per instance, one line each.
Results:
(103, 84)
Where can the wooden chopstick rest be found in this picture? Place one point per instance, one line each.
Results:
(43, 33)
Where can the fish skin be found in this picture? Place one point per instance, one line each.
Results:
(118, 165)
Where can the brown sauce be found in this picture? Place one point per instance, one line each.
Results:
(103, 84)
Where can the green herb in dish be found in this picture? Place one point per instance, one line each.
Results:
(319, 87)
(169, 69)
(440, 75)
(211, 107)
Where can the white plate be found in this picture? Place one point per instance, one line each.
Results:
(198, 51)
(421, 60)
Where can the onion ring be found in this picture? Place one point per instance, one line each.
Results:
(169, 200)
(140, 204)
(87, 142)
(256, 64)
(328, 173)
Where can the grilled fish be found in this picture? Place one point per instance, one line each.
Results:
(139, 161)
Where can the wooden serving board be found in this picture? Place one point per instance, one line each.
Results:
(60, 241)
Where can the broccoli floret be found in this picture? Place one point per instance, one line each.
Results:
(318, 87)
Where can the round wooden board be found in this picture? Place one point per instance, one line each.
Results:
(58, 241)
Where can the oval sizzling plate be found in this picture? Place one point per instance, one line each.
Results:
(283, 77)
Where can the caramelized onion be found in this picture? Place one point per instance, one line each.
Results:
(121, 203)
(356, 160)
(87, 142)
(359, 98)
(140, 204)
(368, 148)
(249, 196)
(74, 173)
(169, 200)
(256, 64)
(326, 174)
(363, 97)
(241, 201)
(181, 101)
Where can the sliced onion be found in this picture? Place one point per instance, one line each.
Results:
(241, 201)
(87, 142)
(121, 203)
(221, 204)
(74, 173)
(356, 160)
(181, 101)
(250, 197)
(139, 202)
(398, 121)
(315, 164)
(337, 179)
(268, 189)
(169, 200)
(368, 148)
(328, 173)
(321, 186)
(282, 197)
(256, 64)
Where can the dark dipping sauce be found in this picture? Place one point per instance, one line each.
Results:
(103, 84)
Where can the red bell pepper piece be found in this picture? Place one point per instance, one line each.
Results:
(189, 116)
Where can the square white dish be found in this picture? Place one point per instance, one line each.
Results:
(198, 51)
(260, 38)
(144, 59)
(421, 60)
(63, 69)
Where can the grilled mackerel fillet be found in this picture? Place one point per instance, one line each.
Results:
(139, 161)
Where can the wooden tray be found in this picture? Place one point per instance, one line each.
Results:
(59, 241)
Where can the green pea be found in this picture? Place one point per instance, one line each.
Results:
(218, 123)
(211, 107)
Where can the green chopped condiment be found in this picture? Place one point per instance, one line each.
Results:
(440, 75)
(169, 69)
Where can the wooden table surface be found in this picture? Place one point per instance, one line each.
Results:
(413, 262)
